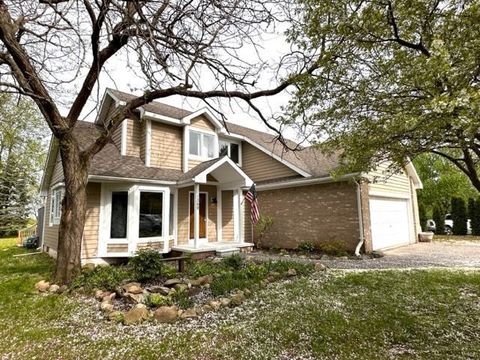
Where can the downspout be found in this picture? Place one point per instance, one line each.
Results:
(360, 219)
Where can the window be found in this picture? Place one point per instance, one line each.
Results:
(118, 222)
(56, 206)
(151, 212)
(170, 219)
(202, 145)
(231, 149)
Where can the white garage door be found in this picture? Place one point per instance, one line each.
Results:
(390, 222)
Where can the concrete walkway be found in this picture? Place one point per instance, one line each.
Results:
(459, 254)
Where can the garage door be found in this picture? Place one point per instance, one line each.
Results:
(390, 220)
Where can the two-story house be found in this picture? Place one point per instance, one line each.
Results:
(173, 179)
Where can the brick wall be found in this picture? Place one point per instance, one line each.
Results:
(323, 213)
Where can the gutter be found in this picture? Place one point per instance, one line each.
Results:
(360, 220)
(306, 181)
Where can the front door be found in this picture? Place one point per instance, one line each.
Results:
(203, 216)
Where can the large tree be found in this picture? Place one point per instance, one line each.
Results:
(402, 78)
(54, 47)
(22, 153)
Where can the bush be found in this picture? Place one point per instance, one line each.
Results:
(233, 262)
(475, 218)
(263, 226)
(182, 299)
(439, 219)
(306, 247)
(334, 248)
(157, 300)
(422, 214)
(471, 208)
(459, 216)
(232, 280)
(201, 268)
(147, 264)
(102, 277)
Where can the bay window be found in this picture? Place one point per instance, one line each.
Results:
(151, 213)
(119, 217)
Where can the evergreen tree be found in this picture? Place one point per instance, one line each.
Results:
(475, 218)
(471, 207)
(439, 219)
(422, 214)
(459, 216)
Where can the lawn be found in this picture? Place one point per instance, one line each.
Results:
(431, 314)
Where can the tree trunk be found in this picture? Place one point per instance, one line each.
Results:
(74, 206)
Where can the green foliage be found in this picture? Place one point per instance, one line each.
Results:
(102, 277)
(182, 299)
(459, 216)
(422, 214)
(306, 247)
(233, 262)
(439, 219)
(334, 248)
(201, 268)
(157, 300)
(147, 264)
(470, 207)
(376, 97)
(23, 136)
(282, 266)
(475, 218)
(263, 226)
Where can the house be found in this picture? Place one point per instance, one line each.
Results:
(175, 180)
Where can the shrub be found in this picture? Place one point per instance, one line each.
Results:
(182, 299)
(201, 268)
(459, 216)
(156, 300)
(102, 277)
(471, 208)
(263, 227)
(334, 248)
(147, 264)
(439, 219)
(229, 281)
(475, 218)
(306, 247)
(422, 214)
(233, 262)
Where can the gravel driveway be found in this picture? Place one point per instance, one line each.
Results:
(460, 254)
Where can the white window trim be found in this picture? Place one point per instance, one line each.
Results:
(186, 145)
(202, 239)
(52, 219)
(239, 143)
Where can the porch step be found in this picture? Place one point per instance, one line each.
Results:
(227, 252)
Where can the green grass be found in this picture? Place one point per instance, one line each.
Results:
(6, 243)
(419, 314)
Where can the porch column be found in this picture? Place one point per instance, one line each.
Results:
(241, 212)
(196, 215)
(219, 215)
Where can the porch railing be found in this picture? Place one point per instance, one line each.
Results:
(26, 233)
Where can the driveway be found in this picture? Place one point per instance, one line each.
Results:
(461, 254)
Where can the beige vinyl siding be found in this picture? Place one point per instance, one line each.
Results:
(382, 180)
(57, 174)
(117, 138)
(117, 248)
(134, 137)
(166, 146)
(227, 216)
(201, 122)
(143, 142)
(193, 163)
(183, 231)
(92, 221)
(50, 234)
(261, 166)
(151, 245)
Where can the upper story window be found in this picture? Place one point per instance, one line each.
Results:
(231, 149)
(202, 145)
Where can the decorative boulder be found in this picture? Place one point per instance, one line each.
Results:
(204, 280)
(108, 297)
(135, 316)
(106, 306)
(291, 272)
(377, 254)
(189, 313)
(99, 294)
(172, 282)
(225, 302)
(215, 305)
(237, 298)
(54, 289)
(320, 267)
(133, 288)
(42, 286)
(134, 298)
(166, 314)
(162, 290)
(181, 287)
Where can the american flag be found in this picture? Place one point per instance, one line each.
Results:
(251, 197)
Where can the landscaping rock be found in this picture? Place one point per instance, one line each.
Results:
(162, 290)
(291, 272)
(135, 316)
(194, 282)
(166, 314)
(194, 291)
(206, 308)
(270, 279)
(320, 267)
(42, 285)
(237, 298)
(115, 316)
(215, 305)
(189, 313)
(88, 267)
(247, 292)
(99, 295)
(378, 254)
(134, 298)
(63, 288)
(140, 306)
(172, 282)
(204, 280)
(109, 297)
(106, 306)
(133, 288)
(54, 289)
(225, 302)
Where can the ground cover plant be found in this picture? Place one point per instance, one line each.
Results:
(419, 314)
